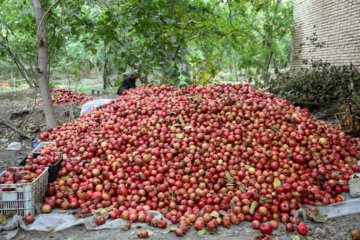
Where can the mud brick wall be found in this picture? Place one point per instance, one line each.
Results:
(328, 30)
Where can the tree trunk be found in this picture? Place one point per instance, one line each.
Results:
(188, 69)
(265, 72)
(106, 72)
(145, 80)
(97, 72)
(42, 63)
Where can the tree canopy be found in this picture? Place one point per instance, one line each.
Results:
(170, 41)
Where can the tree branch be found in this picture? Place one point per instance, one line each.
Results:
(2, 122)
(46, 13)
(19, 64)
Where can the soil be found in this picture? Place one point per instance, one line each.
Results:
(334, 229)
(18, 109)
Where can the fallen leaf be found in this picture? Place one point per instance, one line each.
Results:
(167, 230)
(150, 232)
(2, 219)
(51, 229)
(232, 203)
(181, 120)
(295, 237)
(126, 226)
(211, 231)
(318, 217)
(188, 127)
(201, 232)
(243, 188)
(10, 214)
(64, 178)
(170, 112)
(276, 183)
(229, 177)
(214, 214)
(342, 197)
(253, 207)
(264, 199)
(179, 136)
(224, 213)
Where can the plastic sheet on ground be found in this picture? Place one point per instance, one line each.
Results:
(347, 207)
(87, 107)
(57, 221)
(14, 146)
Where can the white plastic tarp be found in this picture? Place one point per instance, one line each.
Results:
(87, 107)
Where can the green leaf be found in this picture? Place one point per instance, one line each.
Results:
(264, 199)
(295, 237)
(150, 232)
(181, 118)
(253, 207)
(229, 177)
(277, 183)
(224, 213)
(198, 97)
(318, 217)
(118, 83)
(176, 125)
(2, 219)
(243, 188)
(170, 112)
(201, 232)
(179, 135)
(214, 214)
(187, 127)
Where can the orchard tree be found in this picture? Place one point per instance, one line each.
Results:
(42, 64)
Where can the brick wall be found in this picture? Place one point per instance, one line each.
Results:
(327, 30)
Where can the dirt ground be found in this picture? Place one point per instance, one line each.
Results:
(19, 110)
(333, 229)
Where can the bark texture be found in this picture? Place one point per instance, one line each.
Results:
(42, 63)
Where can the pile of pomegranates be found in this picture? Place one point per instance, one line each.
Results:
(66, 95)
(204, 156)
(26, 174)
(46, 158)
(47, 147)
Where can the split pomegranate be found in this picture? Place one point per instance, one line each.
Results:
(191, 152)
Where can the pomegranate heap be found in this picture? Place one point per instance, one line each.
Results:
(49, 147)
(45, 159)
(26, 174)
(66, 95)
(208, 155)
